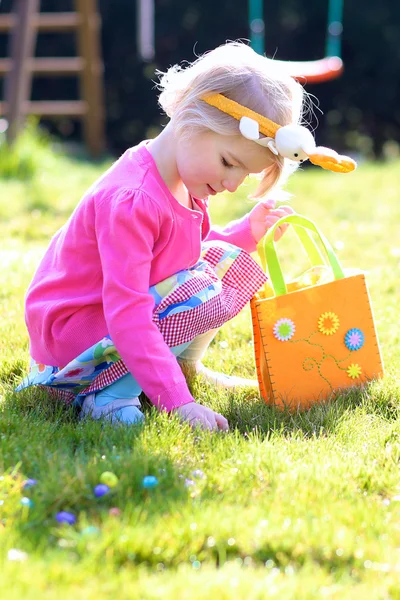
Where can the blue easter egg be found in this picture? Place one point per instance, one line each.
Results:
(28, 483)
(149, 481)
(26, 502)
(65, 517)
(101, 490)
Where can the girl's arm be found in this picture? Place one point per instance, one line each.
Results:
(127, 225)
(250, 229)
(236, 232)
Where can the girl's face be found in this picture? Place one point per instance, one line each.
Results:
(209, 163)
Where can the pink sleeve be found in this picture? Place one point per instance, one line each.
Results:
(127, 225)
(237, 232)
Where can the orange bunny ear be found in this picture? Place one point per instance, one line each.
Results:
(331, 160)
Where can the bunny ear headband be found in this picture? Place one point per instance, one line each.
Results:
(294, 142)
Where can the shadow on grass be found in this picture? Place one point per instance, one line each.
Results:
(45, 440)
(49, 443)
(248, 413)
(244, 409)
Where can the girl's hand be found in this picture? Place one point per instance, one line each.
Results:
(197, 414)
(264, 215)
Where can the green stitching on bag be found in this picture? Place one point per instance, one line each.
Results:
(315, 362)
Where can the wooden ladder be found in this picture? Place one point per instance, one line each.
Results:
(25, 22)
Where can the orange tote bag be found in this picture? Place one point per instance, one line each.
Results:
(312, 340)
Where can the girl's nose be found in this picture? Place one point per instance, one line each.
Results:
(233, 183)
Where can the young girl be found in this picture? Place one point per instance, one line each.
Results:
(137, 279)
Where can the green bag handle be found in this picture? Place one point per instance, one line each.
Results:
(269, 258)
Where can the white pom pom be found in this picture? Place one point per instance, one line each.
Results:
(249, 128)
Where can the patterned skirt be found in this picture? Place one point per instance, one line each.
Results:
(187, 304)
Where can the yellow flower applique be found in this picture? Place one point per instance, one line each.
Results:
(328, 323)
(354, 371)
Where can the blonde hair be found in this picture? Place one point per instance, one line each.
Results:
(239, 73)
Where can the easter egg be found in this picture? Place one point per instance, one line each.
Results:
(65, 517)
(26, 502)
(149, 481)
(28, 483)
(101, 490)
(109, 478)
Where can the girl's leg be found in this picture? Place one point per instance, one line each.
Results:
(117, 402)
(190, 361)
(120, 400)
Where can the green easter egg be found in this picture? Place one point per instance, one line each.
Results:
(109, 479)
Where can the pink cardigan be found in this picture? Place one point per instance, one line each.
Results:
(127, 233)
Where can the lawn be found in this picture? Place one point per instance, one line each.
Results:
(288, 506)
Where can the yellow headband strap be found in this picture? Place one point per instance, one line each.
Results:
(237, 111)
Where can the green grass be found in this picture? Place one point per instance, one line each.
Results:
(291, 506)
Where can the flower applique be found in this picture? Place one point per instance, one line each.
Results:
(354, 339)
(328, 323)
(284, 329)
(354, 371)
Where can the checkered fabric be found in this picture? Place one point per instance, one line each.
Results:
(239, 283)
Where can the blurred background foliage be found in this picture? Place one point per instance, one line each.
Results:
(361, 110)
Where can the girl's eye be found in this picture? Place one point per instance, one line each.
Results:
(225, 163)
